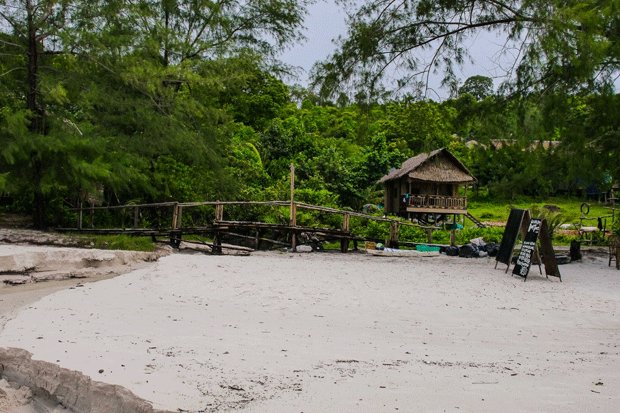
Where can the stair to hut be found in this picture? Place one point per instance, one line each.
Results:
(475, 220)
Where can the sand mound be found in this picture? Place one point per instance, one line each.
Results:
(22, 264)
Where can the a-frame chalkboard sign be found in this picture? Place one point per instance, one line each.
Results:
(517, 219)
(531, 230)
(548, 254)
(529, 250)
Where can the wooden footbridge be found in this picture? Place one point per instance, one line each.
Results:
(289, 223)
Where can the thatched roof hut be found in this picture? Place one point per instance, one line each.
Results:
(427, 182)
(437, 166)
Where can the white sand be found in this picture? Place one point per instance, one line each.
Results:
(339, 333)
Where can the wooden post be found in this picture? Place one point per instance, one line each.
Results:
(293, 211)
(344, 243)
(429, 235)
(92, 217)
(452, 238)
(217, 243)
(293, 224)
(257, 240)
(179, 217)
(80, 217)
(136, 217)
(394, 230)
(175, 216)
(219, 212)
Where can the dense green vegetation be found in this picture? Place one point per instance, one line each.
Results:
(114, 102)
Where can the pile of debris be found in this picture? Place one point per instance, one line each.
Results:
(475, 248)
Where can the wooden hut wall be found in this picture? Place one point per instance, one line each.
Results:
(433, 188)
(392, 197)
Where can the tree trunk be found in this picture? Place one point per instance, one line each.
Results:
(37, 123)
(37, 119)
(39, 214)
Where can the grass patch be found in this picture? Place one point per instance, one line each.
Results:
(115, 242)
(494, 210)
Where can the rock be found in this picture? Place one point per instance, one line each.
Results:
(71, 389)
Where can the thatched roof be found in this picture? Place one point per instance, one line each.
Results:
(437, 166)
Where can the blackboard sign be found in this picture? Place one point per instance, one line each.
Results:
(528, 249)
(548, 254)
(513, 227)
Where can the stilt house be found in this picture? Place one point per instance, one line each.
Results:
(428, 183)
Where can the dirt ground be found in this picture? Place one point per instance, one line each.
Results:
(283, 332)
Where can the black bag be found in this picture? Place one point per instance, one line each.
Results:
(492, 249)
(452, 251)
(468, 251)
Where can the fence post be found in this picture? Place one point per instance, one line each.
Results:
(80, 217)
(219, 212)
(136, 217)
(344, 243)
(394, 229)
(293, 225)
(175, 216)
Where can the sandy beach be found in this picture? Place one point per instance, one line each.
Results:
(330, 332)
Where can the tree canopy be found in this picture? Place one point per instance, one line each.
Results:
(550, 44)
(147, 101)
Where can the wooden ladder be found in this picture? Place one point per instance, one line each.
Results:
(475, 220)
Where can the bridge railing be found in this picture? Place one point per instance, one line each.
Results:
(219, 217)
